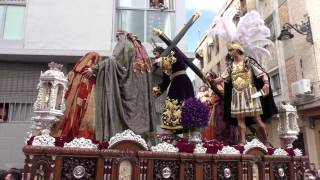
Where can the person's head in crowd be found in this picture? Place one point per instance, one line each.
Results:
(13, 174)
(3, 113)
(2, 174)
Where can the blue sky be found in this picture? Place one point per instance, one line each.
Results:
(208, 9)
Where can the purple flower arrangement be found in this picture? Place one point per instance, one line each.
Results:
(195, 114)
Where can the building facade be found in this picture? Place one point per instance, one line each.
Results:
(36, 32)
(294, 70)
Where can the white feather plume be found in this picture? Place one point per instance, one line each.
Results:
(226, 30)
(251, 32)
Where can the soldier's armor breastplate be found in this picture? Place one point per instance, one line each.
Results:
(241, 78)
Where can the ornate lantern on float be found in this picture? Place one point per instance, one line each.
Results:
(288, 127)
(49, 104)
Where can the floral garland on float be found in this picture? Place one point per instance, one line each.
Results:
(216, 147)
(63, 141)
(174, 145)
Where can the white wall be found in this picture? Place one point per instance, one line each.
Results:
(12, 137)
(69, 25)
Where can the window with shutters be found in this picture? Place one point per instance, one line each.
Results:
(210, 47)
(141, 16)
(12, 16)
(275, 82)
(18, 89)
(270, 24)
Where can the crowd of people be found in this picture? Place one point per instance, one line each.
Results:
(312, 173)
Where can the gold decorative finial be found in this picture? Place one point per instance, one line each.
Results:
(157, 31)
(196, 16)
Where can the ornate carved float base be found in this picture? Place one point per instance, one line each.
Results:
(129, 160)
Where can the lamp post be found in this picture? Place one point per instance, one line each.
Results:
(304, 28)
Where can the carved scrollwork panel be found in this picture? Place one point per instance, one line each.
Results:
(41, 167)
(207, 175)
(227, 170)
(189, 170)
(281, 171)
(299, 169)
(78, 168)
(166, 170)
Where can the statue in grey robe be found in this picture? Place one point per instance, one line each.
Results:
(123, 90)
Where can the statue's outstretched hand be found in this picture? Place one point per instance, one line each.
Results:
(209, 78)
(265, 89)
(156, 91)
(88, 73)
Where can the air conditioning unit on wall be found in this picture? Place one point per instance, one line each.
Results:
(301, 88)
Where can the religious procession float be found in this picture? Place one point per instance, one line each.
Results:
(96, 123)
